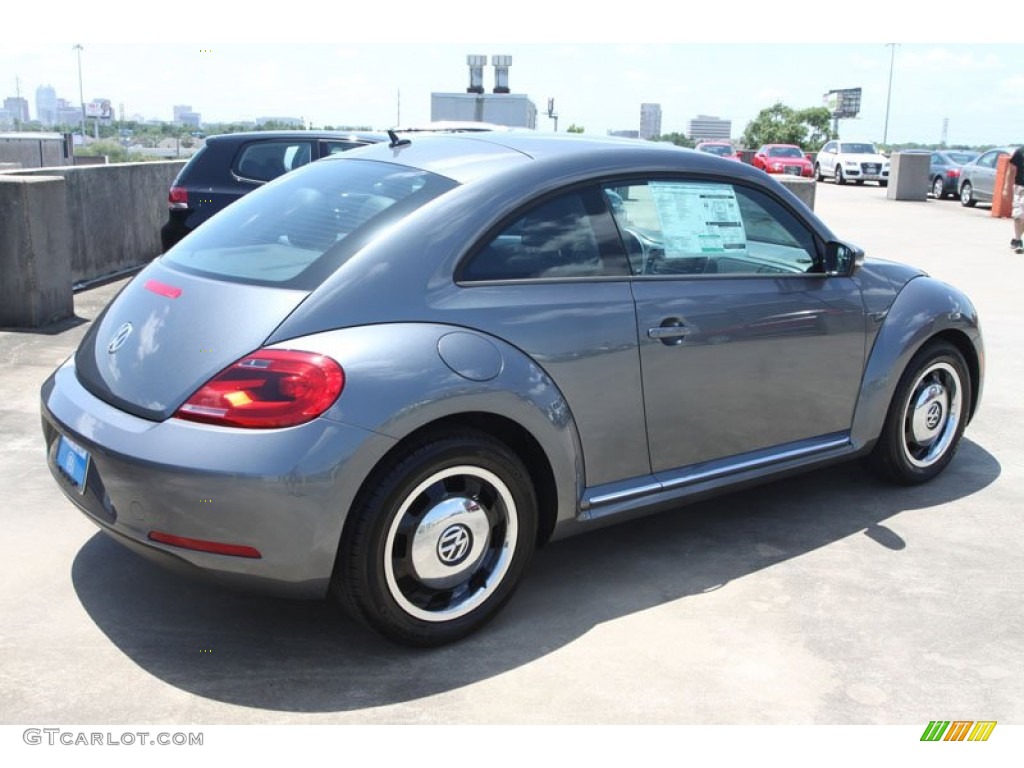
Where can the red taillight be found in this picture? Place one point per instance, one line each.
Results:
(953, 173)
(268, 389)
(201, 545)
(177, 198)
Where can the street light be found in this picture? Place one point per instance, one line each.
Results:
(81, 92)
(888, 96)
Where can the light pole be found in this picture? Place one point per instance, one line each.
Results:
(81, 92)
(888, 96)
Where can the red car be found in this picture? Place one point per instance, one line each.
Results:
(720, 148)
(783, 158)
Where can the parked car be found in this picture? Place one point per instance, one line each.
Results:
(719, 148)
(231, 165)
(391, 374)
(978, 177)
(944, 171)
(855, 161)
(788, 159)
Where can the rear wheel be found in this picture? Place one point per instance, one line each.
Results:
(926, 418)
(938, 188)
(967, 195)
(439, 541)
(818, 175)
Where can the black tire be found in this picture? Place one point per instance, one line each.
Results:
(918, 442)
(840, 176)
(438, 539)
(967, 195)
(883, 184)
(938, 188)
(818, 175)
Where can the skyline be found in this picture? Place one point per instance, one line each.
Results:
(236, 74)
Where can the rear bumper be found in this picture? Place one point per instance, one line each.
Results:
(283, 492)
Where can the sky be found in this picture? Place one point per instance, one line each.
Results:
(381, 72)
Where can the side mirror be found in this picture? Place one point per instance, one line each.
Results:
(842, 259)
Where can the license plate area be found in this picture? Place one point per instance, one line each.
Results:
(73, 462)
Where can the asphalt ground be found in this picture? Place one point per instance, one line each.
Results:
(830, 598)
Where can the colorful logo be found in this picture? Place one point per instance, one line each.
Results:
(958, 730)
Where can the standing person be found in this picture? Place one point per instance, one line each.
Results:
(1015, 185)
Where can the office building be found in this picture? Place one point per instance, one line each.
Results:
(704, 127)
(650, 121)
(46, 105)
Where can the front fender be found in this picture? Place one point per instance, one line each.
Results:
(400, 377)
(923, 309)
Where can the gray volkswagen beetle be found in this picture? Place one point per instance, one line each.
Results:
(393, 373)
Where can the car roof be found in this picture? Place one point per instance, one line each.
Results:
(467, 156)
(369, 136)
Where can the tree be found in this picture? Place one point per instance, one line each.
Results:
(778, 124)
(574, 128)
(679, 139)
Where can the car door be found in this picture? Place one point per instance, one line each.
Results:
(554, 283)
(827, 158)
(984, 175)
(745, 343)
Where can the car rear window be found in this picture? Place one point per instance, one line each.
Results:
(296, 231)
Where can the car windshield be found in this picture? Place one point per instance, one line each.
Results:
(961, 157)
(297, 230)
(717, 149)
(785, 152)
(850, 148)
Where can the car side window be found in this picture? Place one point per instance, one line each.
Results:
(830, 147)
(685, 227)
(266, 160)
(988, 160)
(554, 240)
(334, 147)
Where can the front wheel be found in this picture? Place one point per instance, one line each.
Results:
(967, 195)
(926, 418)
(840, 178)
(439, 539)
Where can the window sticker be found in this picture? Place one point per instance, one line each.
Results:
(698, 219)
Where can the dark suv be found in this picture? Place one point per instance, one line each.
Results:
(233, 164)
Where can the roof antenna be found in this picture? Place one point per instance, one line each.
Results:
(395, 141)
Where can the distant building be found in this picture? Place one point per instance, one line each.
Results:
(18, 107)
(294, 122)
(514, 110)
(46, 105)
(625, 134)
(183, 115)
(709, 127)
(66, 113)
(650, 121)
(502, 107)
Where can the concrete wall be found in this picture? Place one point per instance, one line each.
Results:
(44, 151)
(35, 252)
(801, 187)
(114, 213)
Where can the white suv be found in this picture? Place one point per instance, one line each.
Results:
(851, 161)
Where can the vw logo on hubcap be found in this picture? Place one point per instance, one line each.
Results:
(119, 338)
(934, 416)
(454, 545)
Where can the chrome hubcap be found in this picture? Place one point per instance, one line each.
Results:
(932, 415)
(451, 543)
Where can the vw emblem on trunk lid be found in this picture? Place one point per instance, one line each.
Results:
(119, 338)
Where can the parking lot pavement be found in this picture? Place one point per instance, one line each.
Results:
(828, 598)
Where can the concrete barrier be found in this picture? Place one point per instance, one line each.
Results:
(114, 213)
(908, 176)
(799, 186)
(35, 252)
